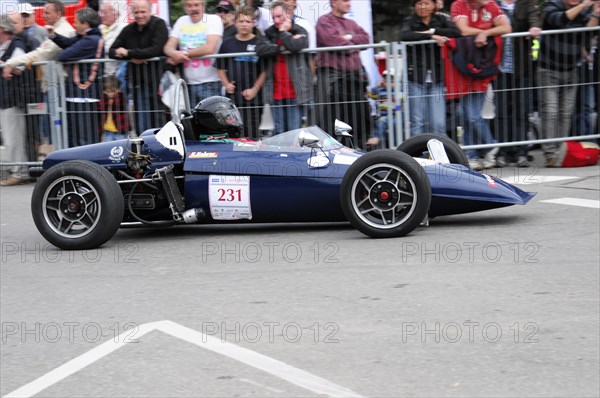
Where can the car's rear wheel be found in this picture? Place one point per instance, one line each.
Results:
(385, 194)
(417, 147)
(77, 205)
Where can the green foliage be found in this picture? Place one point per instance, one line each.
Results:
(175, 10)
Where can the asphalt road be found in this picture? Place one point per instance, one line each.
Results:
(498, 303)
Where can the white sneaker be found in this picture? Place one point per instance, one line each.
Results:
(501, 161)
(475, 164)
(488, 164)
(489, 160)
(522, 161)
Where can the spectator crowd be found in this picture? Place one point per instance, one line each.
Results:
(467, 60)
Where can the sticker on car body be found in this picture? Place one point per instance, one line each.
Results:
(116, 154)
(344, 159)
(229, 197)
(490, 180)
(203, 155)
(170, 137)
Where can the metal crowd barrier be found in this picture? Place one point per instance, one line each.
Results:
(33, 93)
(61, 116)
(520, 90)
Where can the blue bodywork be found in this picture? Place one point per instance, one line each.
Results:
(283, 186)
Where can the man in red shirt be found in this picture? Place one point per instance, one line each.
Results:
(481, 19)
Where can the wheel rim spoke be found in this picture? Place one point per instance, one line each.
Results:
(387, 175)
(364, 183)
(383, 217)
(68, 186)
(372, 177)
(65, 225)
(359, 204)
(90, 197)
(52, 204)
(87, 220)
(368, 210)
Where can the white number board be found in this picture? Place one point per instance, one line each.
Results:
(229, 197)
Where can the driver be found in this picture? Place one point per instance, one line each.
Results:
(217, 118)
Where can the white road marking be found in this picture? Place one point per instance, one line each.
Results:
(277, 368)
(593, 204)
(532, 178)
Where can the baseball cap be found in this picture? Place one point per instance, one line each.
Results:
(225, 5)
(6, 24)
(26, 8)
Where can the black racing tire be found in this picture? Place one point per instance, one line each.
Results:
(385, 194)
(77, 205)
(416, 146)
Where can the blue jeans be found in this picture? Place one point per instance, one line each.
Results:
(557, 98)
(83, 122)
(476, 129)
(143, 109)
(45, 132)
(287, 115)
(427, 108)
(198, 92)
(381, 129)
(122, 77)
(512, 99)
(585, 104)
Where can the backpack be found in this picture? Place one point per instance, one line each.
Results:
(476, 62)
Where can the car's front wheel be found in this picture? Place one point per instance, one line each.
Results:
(77, 205)
(385, 194)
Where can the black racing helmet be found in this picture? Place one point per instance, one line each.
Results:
(218, 115)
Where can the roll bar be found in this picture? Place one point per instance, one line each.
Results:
(177, 110)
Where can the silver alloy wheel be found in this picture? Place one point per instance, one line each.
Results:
(71, 207)
(384, 196)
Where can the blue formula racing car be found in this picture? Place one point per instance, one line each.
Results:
(195, 170)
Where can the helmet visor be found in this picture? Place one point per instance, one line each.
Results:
(228, 117)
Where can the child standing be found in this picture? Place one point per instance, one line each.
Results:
(113, 111)
(243, 76)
